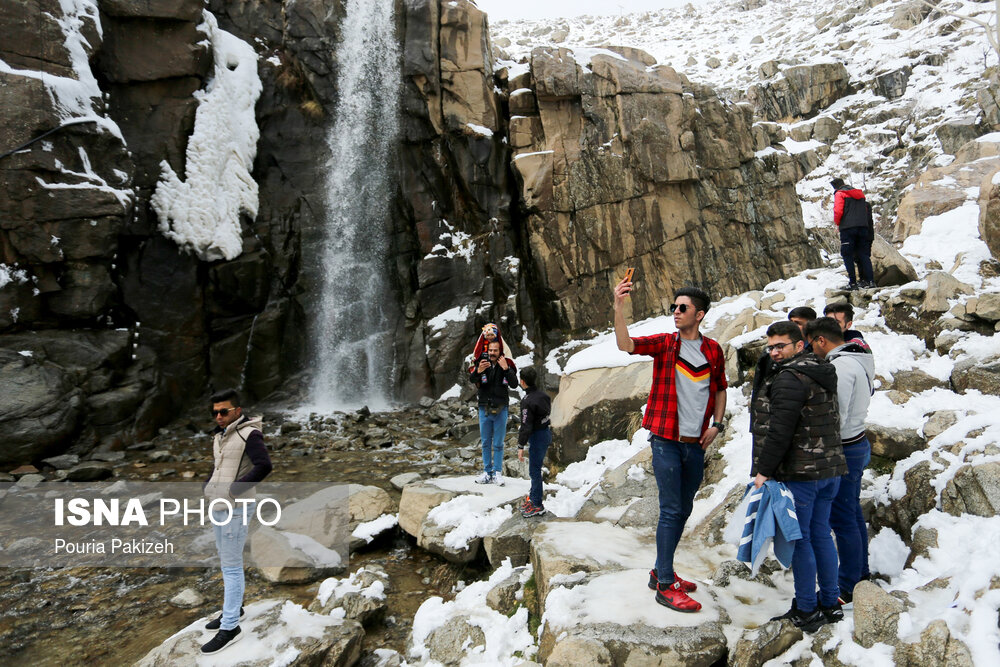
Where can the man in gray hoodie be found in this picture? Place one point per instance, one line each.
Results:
(855, 386)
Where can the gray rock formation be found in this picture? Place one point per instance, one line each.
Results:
(800, 91)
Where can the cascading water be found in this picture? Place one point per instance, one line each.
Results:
(353, 348)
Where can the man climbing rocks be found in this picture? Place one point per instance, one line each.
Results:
(853, 217)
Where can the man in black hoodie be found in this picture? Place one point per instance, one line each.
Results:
(796, 440)
(493, 376)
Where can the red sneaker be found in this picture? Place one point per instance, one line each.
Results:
(686, 586)
(672, 596)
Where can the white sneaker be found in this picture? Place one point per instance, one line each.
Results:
(498, 479)
(485, 478)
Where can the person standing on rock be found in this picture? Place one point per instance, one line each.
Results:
(536, 407)
(687, 401)
(852, 216)
(855, 386)
(493, 375)
(795, 425)
(240, 462)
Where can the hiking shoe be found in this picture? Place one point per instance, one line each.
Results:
(673, 596)
(485, 478)
(809, 621)
(852, 287)
(845, 598)
(686, 586)
(532, 510)
(527, 502)
(217, 623)
(222, 640)
(867, 284)
(834, 614)
(497, 479)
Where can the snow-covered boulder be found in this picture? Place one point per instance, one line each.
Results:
(361, 595)
(978, 374)
(975, 489)
(876, 615)
(271, 628)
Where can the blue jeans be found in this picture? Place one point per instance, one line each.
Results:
(678, 468)
(856, 246)
(229, 540)
(492, 429)
(846, 519)
(815, 557)
(538, 444)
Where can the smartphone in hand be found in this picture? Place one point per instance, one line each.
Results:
(629, 272)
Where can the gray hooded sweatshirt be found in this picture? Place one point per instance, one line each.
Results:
(855, 386)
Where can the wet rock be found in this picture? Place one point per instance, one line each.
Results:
(188, 599)
(39, 409)
(980, 374)
(275, 624)
(89, 471)
(402, 479)
(759, 645)
(894, 443)
(450, 643)
(594, 405)
(975, 489)
(876, 615)
(63, 462)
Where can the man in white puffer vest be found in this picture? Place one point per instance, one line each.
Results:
(241, 461)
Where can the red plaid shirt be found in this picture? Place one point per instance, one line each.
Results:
(661, 409)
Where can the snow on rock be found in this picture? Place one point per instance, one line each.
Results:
(507, 639)
(202, 213)
(369, 530)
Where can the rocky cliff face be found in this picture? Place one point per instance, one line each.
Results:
(522, 196)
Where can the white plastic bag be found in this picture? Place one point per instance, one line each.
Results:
(734, 528)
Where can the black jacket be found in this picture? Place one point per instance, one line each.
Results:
(494, 384)
(795, 421)
(535, 410)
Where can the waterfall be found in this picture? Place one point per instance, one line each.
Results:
(353, 348)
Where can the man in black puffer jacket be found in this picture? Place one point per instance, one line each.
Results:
(796, 440)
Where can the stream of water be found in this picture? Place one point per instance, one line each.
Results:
(354, 331)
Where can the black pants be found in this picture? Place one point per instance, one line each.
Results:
(856, 245)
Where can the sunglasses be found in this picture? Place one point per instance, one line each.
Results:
(680, 307)
(776, 346)
(224, 412)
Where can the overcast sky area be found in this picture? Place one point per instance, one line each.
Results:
(539, 9)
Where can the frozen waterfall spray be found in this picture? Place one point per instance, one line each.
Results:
(354, 336)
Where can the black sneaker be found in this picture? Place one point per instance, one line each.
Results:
(221, 640)
(852, 287)
(867, 284)
(834, 614)
(809, 622)
(217, 622)
(845, 598)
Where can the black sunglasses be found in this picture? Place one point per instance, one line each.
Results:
(682, 307)
(224, 412)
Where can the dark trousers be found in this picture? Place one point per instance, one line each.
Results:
(847, 521)
(538, 444)
(856, 246)
(678, 468)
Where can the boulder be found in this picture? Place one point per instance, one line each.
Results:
(894, 443)
(955, 134)
(938, 422)
(914, 381)
(941, 287)
(892, 85)
(361, 595)
(761, 644)
(451, 642)
(89, 471)
(418, 499)
(39, 408)
(181, 10)
(595, 405)
(643, 634)
(728, 570)
(402, 479)
(989, 212)
(876, 615)
(910, 14)
(924, 539)
(277, 624)
(511, 540)
(987, 307)
(980, 374)
(503, 597)
(800, 91)
(942, 189)
(62, 462)
(576, 651)
(188, 599)
(890, 267)
(367, 503)
(288, 558)
(975, 489)
(920, 497)
(989, 101)
(938, 646)
(620, 487)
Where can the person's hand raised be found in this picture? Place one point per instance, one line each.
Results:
(621, 291)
